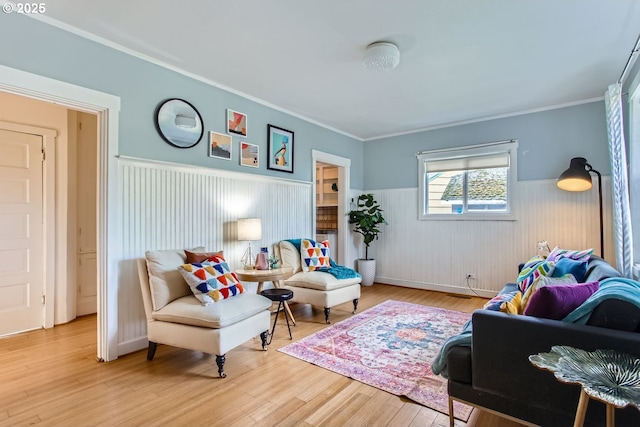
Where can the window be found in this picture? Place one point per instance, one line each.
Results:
(469, 182)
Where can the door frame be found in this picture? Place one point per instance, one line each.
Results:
(344, 173)
(48, 212)
(107, 108)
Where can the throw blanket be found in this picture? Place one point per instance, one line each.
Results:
(612, 288)
(338, 271)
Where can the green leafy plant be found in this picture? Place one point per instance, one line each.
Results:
(366, 218)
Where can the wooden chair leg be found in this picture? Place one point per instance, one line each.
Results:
(355, 305)
(327, 311)
(263, 337)
(451, 417)
(151, 351)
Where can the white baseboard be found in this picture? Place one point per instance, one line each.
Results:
(436, 287)
(132, 345)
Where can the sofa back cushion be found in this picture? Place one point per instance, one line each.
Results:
(290, 256)
(599, 269)
(165, 280)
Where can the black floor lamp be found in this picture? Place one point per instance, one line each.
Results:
(578, 178)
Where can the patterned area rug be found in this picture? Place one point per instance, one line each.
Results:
(390, 347)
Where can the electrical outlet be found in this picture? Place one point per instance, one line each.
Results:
(471, 276)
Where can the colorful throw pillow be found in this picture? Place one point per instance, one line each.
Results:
(513, 306)
(193, 257)
(314, 255)
(569, 266)
(533, 269)
(543, 281)
(558, 253)
(211, 280)
(556, 302)
(495, 302)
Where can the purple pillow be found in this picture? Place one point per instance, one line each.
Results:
(555, 302)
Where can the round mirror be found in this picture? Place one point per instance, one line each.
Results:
(179, 123)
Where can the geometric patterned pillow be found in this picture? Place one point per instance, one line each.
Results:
(495, 302)
(314, 255)
(532, 270)
(558, 253)
(211, 280)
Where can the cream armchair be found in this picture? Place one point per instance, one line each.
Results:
(317, 288)
(175, 317)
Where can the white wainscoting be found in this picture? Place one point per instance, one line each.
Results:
(169, 206)
(438, 254)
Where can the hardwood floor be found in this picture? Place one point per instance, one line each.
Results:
(51, 377)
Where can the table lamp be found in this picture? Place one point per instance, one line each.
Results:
(249, 229)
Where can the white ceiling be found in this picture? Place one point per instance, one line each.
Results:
(462, 60)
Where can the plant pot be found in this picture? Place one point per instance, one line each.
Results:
(367, 269)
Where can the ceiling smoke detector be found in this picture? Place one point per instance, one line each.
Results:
(381, 56)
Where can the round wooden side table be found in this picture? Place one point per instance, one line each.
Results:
(274, 275)
(605, 375)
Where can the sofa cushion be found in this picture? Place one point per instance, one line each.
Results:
(555, 302)
(577, 269)
(319, 280)
(314, 255)
(533, 269)
(164, 279)
(616, 314)
(189, 311)
(201, 256)
(290, 256)
(211, 280)
(581, 255)
(496, 302)
(543, 281)
(599, 269)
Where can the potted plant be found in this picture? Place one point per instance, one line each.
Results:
(366, 218)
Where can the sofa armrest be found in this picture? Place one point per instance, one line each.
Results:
(502, 344)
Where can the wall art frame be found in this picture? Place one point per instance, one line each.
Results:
(280, 149)
(236, 123)
(249, 154)
(219, 145)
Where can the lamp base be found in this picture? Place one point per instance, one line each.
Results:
(247, 259)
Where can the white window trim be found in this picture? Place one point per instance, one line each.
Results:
(510, 146)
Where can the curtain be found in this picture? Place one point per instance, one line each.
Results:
(623, 239)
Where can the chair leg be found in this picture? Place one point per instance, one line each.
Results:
(220, 362)
(151, 351)
(355, 305)
(451, 418)
(263, 337)
(327, 311)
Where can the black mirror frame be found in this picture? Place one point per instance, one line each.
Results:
(157, 122)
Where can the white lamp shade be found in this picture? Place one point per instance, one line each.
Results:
(249, 229)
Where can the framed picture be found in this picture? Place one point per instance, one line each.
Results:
(249, 155)
(219, 145)
(236, 123)
(280, 147)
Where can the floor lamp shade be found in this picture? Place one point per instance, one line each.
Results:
(578, 178)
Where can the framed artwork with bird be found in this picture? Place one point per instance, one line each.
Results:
(280, 149)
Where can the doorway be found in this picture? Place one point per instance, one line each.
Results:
(66, 140)
(331, 198)
(107, 108)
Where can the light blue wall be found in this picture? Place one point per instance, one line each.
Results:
(547, 141)
(42, 49)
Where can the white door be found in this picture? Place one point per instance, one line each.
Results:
(21, 232)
